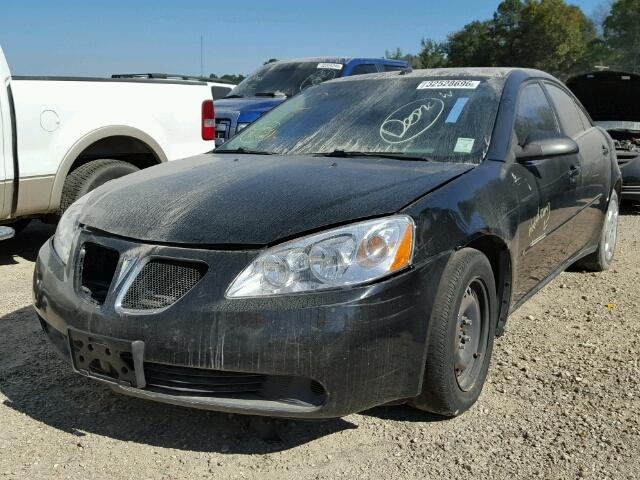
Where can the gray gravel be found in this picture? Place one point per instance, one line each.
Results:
(561, 402)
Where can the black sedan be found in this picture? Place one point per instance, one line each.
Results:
(361, 244)
(613, 101)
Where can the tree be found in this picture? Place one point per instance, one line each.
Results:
(230, 78)
(433, 54)
(472, 46)
(398, 54)
(622, 33)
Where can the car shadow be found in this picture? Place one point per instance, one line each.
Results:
(629, 208)
(37, 382)
(25, 244)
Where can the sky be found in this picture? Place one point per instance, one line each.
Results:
(101, 37)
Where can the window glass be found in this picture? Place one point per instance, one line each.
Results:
(534, 113)
(393, 68)
(219, 92)
(400, 115)
(364, 68)
(567, 111)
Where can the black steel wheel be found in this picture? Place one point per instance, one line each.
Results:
(461, 333)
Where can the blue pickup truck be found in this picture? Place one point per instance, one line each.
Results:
(275, 82)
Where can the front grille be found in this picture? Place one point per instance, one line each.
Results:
(625, 157)
(97, 268)
(161, 283)
(198, 382)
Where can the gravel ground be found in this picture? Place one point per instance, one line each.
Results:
(561, 402)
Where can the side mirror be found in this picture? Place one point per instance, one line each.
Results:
(543, 145)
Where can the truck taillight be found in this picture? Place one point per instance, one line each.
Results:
(208, 120)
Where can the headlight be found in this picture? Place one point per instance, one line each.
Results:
(67, 228)
(242, 126)
(350, 255)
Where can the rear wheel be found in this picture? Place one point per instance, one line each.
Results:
(90, 176)
(602, 258)
(462, 329)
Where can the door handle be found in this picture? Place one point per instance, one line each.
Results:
(574, 171)
(605, 150)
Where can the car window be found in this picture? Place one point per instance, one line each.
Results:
(393, 68)
(364, 68)
(220, 92)
(585, 119)
(534, 113)
(567, 111)
(439, 118)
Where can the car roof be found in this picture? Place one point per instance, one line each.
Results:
(343, 60)
(467, 72)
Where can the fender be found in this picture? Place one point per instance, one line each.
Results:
(90, 138)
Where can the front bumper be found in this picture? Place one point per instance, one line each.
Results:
(317, 355)
(630, 169)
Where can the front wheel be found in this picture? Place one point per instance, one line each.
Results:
(90, 176)
(602, 258)
(462, 329)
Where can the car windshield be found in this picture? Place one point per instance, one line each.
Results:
(286, 78)
(441, 119)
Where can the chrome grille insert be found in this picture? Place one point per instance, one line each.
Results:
(161, 283)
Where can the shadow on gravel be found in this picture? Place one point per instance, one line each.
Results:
(26, 244)
(40, 384)
(403, 413)
(629, 208)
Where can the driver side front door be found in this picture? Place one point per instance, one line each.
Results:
(548, 196)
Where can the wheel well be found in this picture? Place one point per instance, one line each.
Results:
(119, 147)
(500, 259)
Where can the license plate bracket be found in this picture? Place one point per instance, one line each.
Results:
(108, 359)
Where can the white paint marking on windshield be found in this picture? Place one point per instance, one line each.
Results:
(411, 120)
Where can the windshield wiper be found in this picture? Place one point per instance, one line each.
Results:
(394, 155)
(270, 94)
(234, 96)
(244, 151)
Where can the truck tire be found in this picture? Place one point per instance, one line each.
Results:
(19, 225)
(602, 258)
(461, 333)
(90, 176)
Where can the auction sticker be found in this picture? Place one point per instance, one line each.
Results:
(330, 66)
(464, 145)
(450, 84)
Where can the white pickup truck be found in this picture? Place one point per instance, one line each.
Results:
(61, 137)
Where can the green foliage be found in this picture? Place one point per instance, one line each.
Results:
(550, 35)
(231, 78)
(622, 33)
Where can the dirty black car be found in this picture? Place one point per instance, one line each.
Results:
(613, 100)
(362, 244)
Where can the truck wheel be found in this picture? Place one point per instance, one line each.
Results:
(601, 259)
(461, 333)
(90, 176)
(19, 225)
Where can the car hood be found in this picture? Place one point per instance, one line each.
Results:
(257, 200)
(608, 96)
(258, 105)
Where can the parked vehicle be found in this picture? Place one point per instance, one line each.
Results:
(219, 88)
(360, 244)
(274, 82)
(61, 137)
(613, 101)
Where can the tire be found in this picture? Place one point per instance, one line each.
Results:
(90, 176)
(459, 353)
(602, 258)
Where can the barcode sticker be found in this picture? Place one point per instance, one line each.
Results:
(330, 66)
(449, 84)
